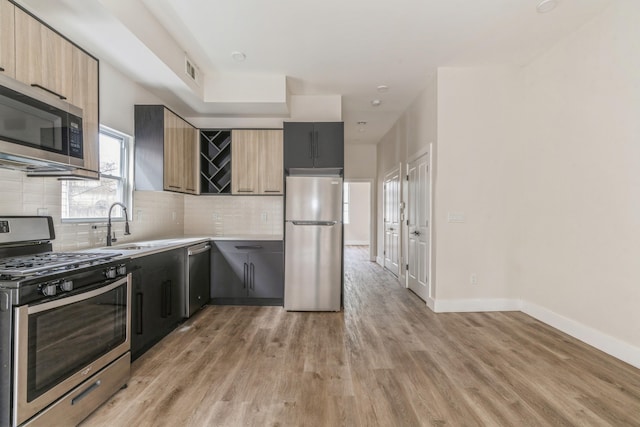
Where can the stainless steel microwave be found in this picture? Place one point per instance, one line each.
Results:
(38, 131)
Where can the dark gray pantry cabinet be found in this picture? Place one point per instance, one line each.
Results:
(247, 272)
(156, 300)
(313, 145)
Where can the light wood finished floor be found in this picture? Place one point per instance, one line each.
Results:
(387, 360)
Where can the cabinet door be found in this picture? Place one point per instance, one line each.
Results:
(329, 145)
(84, 94)
(173, 152)
(229, 274)
(7, 39)
(298, 145)
(270, 180)
(245, 151)
(43, 57)
(266, 275)
(191, 155)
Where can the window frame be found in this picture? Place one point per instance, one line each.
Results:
(126, 170)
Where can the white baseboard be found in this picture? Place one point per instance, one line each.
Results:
(610, 345)
(479, 304)
(380, 261)
(356, 243)
(603, 342)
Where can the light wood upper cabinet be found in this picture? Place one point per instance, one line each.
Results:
(84, 94)
(166, 157)
(43, 57)
(256, 161)
(173, 150)
(192, 156)
(7, 39)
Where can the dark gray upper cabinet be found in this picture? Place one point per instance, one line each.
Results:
(313, 145)
(247, 272)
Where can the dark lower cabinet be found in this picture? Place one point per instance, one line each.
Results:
(157, 297)
(247, 273)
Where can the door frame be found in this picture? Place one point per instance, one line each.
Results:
(372, 214)
(405, 227)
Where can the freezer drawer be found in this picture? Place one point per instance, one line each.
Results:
(313, 267)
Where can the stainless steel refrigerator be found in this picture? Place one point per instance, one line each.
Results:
(313, 243)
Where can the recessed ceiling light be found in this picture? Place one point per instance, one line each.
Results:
(376, 102)
(238, 56)
(383, 88)
(546, 6)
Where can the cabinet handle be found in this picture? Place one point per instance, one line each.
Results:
(139, 320)
(173, 186)
(253, 277)
(168, 299)
(249, 247)
(311, 145)
(244, 280)
(272, 191)
(245, 191)
(317, 154)
(48, 90)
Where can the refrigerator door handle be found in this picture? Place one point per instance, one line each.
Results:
(321, 223)
(311, 145)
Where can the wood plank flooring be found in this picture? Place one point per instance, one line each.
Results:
(386, 360)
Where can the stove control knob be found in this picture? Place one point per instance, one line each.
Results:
(121, 270)
(48, 289)
(110, 273)
(66, 285)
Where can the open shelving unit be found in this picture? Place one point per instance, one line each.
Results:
(215, 164)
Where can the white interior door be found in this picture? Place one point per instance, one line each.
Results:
(418, 226)
(392, 222)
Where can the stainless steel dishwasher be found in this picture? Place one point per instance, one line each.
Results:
(199, 276)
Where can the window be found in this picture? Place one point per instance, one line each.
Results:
(90, 200)
(345, 210)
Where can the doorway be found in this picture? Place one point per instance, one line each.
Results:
(357, 213)
(418, 212)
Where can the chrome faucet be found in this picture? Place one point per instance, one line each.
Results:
(126, 224)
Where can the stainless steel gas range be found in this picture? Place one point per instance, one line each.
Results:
(64, 327)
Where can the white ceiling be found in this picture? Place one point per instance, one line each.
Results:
(322, 47)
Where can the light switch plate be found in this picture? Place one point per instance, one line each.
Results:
(456, 217)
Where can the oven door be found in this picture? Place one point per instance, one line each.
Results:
(61, 343)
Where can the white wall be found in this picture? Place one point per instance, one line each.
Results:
(578, 234)
(357, 231)
(118, 95)
(544, 162)
(477, 122)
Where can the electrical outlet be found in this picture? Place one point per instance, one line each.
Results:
(139, 215)
(173, 216)
(215, 216)
(264, 216)
(473, 279)
(43, 211)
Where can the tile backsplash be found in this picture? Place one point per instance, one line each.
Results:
(233, 215)
(153, 215)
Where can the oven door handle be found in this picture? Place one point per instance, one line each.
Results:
(75, 298)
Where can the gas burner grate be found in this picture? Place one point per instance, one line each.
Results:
(30, 264)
